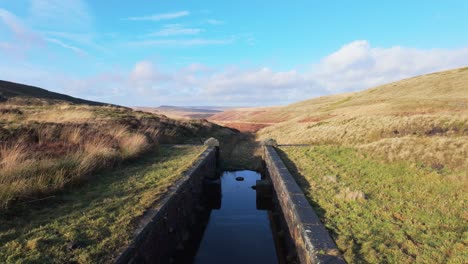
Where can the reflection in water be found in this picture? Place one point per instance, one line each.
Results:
(237, 232)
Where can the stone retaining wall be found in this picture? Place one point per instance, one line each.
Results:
(311, 242)
(164, 228)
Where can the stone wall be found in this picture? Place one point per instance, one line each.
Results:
(310, 241)
(165, 228)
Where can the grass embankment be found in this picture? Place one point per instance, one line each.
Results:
(384, 212)
(423, 119)
(48, 145)
(91, 223)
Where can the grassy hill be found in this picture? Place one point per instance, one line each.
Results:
(77, 176)
(181, 112)
(49, 141)
(423, 119)
(21, 93)
(386, 169)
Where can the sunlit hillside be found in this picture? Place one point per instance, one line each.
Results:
(49, 141)
(422, 119)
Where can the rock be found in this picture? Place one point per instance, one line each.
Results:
(239, 178)
(72, 245)
(211, 142)
(330, 178)
(351, 195)
(269, 142)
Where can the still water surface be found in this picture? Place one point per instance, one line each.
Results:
(237, 232)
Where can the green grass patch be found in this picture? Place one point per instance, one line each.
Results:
(382, 212)
(92, 222)
(338, 103)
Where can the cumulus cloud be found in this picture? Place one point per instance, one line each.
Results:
(254, 85)
(358, 65)
(146, 79)
(354, 66)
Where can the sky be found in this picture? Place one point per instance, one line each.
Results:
(225, 53)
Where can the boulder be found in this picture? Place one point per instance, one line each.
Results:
(269, 142)
(211, 142)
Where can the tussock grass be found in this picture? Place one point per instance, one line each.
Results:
(422, 119)
(90, 223)
(25, 173)
(46, 147)
(438, 152)
(62, 115)
(380, 211)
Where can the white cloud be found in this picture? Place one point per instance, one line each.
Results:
(146, 71)
(61, 15)
(181, 42)
(358, 65)
(354, 66)
(22, 38)
(214, 21)
(64, 23)
(175, 30)
(80, 39)
(67, 46)
(158, 17)
(147, 79)
(17, 27)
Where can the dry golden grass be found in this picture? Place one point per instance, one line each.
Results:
(45, 147)
(422, 119)
(26, 173)
(61, 115)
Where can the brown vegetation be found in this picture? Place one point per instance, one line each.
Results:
(423, 120)
(244, 127)
(44, 148)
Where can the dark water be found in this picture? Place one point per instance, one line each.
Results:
(237, 232)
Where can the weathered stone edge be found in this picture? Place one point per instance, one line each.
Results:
(158, 211)
(312, 241)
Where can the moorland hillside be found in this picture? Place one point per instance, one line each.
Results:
(49, 141)
(422, 119)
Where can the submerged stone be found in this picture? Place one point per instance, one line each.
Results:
(239, 178)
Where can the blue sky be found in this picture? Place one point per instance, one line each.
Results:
(252, 53)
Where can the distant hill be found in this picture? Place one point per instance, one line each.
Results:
(189, 108)
(22, 92)
(185, 112)
(424, 119)
(434, 92)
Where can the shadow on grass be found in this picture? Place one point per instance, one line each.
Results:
(302, 181)
(240, 152)
(84, 198)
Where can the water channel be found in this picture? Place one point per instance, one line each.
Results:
(237, 232)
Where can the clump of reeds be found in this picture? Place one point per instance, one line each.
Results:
(60, 155)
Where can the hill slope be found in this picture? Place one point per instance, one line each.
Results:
(181, 112)
(49, 141)
(423, 119)
(22, 92)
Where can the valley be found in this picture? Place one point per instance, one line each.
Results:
(385, 168)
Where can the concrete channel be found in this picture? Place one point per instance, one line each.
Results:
(232, 217)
